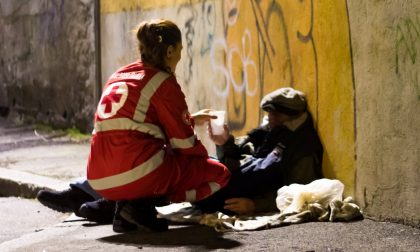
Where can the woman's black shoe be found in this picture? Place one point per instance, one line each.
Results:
(140, 213)
(119, 224)
(100, 211)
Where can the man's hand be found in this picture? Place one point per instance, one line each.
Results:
(219, 139)
(243, 206)
(202, 116)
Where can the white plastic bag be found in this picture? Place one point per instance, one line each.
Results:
(296, 198)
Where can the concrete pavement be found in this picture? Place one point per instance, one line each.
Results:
(30, 161)
(24, 171)
(21, 216)
(75, 234)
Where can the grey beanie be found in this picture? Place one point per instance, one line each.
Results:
(286, 100)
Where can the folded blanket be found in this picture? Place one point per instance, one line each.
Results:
(320, 200)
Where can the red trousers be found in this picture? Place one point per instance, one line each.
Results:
(199, 178)
(181, 177)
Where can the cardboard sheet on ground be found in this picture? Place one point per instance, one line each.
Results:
(321, 200)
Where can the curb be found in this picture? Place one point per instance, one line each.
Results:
(26, 185)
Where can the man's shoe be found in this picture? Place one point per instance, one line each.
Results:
(65, 201)
(138, 215)
(100, 211)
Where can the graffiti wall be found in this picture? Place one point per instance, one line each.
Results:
(235, 52)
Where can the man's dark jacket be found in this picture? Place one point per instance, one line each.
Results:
(273, 158)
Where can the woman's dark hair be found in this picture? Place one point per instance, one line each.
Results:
(154, 38)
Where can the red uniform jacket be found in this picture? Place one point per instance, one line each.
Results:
(144, 141)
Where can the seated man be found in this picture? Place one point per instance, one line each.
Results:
(286, 150)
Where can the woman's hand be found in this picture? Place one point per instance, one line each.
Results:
(202, 116)
(219, 139)
(243, 206)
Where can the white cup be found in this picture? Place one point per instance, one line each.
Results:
(217, 125)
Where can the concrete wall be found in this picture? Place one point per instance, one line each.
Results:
(386, 57)
(48, 65)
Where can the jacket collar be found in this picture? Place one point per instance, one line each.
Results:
(296, 123)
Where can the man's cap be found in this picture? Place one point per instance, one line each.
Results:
(285, 100)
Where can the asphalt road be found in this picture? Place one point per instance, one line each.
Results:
(29, 226)
(24, 216)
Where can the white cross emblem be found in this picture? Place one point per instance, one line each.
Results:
(113, 98)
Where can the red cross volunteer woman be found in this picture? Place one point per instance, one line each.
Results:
(144, 147)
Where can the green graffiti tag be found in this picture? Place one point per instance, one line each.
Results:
(407, 40)
(407, 44)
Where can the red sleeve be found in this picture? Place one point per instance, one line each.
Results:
(174, 117)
